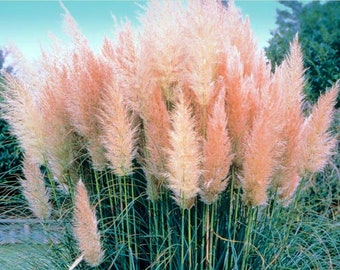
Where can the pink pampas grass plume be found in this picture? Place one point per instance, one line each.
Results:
(157, 127)
(287, 84)
(88, 75)
(184, 156)
(261, 156)
(216, 153)
(317, 142)
(119, 133)
(85, 228)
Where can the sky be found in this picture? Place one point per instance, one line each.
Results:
(27, 24)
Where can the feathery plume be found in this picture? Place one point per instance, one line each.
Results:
(119, 135)
(21, 110)
(85, 228)
(34, 189)
(157, 127)
(261, 153)
(317, 141)
(123, 58)
(63, 143)
(184, 157)
(287, 85)
(241, 105)
(241, 37)
(88, 76)
(203, 32)
(216, 153)
(160, 43)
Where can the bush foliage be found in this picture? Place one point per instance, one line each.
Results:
(317, 24)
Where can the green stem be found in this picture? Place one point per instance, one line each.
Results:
(203, 237)
(134, 220)
(96, 177)
(127, 219)
(247, 236)
(167, 198)
(113, 202)
(151, 231)
(207, 237)
(189, 238)
(155, 234)
(196, 229)
(212, 238)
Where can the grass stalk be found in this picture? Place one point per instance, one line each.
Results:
(127, 220)
(189, 238)
(183, 238)
(250, 213)
(207, 237)
(96, 178)
(135, 242)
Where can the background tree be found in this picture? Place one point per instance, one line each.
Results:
(318, 27)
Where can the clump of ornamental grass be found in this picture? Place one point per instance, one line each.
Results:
(183, 136)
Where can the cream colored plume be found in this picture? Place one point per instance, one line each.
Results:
(34, 189)
(22, 111)
(119, 133)
(184, 156)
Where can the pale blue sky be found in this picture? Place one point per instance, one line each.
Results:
(27, 23)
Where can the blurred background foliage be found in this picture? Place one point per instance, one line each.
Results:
(318, 27)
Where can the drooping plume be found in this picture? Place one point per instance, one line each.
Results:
(317, 142)
(21, 110)
(34, 189)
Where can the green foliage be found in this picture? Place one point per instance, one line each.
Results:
(10, 159)
(140, 234)
(317, 25)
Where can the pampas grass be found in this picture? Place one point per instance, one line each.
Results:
(186, 108)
